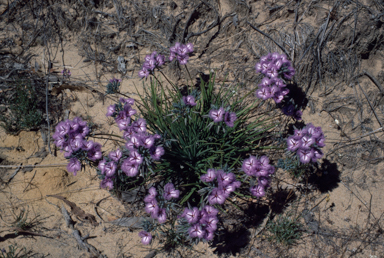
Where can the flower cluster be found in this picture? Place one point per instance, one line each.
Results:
(152, 206)
(151, 62)
(181, 52)
(70, 137)
(226, 185)
(261, 169)
(276, 68)
(221, 115)
(307, 143)
(203, 224)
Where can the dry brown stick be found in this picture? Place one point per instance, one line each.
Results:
(266, 35)
(77, 211)
(30, 181)
(373, 110)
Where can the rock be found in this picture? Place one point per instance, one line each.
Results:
(121, 65)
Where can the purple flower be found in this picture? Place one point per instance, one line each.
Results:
(298, 134)
(140, 125)
(317, 154)
(130, 168)
(158, 152)
(160, 60)
(183, 60)
(306, 142)
(189, 100)
(228, 189)
(107, 183)
(249, 165)
(230, 118)
(210, 210)
(263, 93)
(298, 115)
(209, 177)
(62, 128)
(162, 216)
(110, 169)
(257, 191)
(152, 208)
(135, 157)
(145, 237)
(217, 197)
(147, 141)
(263, 181)
(101, 166)
(115, 155)
(189, 47)
(152, 195)
(264, 162)
(293, 144)
(265, 82)
(73, 166)
(211, 223)
(196, 231)
(170, 192)
(223, 178)
(209, 236)
(305, 156)
(135, 140)
(143, 73)
(192, 216)
(320, 141)
(95, 153)
(217, 115)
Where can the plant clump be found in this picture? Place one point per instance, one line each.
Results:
(193, 151)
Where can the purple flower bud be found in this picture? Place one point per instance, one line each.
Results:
(230, 118)
(146, 237)
(263, 181)
(172, 56)
(209, 236)
(298, 115)
(95, 153)
(209, 177)
(73, 166)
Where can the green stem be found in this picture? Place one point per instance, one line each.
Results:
(190, 77)
(174, 87)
